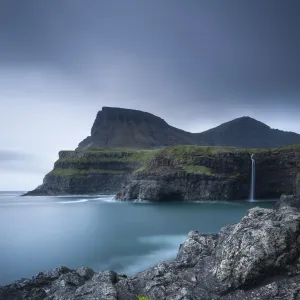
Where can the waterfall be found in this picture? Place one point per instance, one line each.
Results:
(252, 192)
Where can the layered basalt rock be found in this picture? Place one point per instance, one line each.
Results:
(215, 173)
(257, 258)
(177, 173)
(103, 171)
(190, 173)
(277, 172)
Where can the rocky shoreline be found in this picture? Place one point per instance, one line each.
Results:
(257, 258)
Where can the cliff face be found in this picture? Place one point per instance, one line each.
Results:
(278, 172)
(103, 171)
(257, 258)
(177, 173)
(188, 173)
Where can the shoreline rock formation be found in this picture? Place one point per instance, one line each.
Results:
(257, 258)
(187, 173)
(177, 173)
(190, 173)
(102, 171)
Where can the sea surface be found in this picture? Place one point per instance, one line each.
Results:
(41, 233)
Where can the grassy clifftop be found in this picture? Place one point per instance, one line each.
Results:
(105, 170)
(109, 154)
(191, 158)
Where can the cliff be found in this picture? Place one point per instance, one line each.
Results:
(278, 172)
(177, 173)
(102, 171)
(257, 258)
(119, 127)
(187, 173)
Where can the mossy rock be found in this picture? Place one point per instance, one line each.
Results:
(77, 172)
(141, 297)
(113, 155)
(194, 169)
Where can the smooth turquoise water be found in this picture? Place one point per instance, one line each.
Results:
(41, 233)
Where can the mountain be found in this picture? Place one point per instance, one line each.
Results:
(119, 127)
(247, 132)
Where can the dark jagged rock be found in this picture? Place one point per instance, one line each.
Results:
(257, 258)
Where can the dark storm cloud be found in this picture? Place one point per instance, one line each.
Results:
(232, 48)
(195, 63)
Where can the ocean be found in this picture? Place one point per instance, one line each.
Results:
(41, 233)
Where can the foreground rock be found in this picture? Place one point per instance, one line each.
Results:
(258, 258)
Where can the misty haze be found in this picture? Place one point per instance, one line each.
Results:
(149, 150)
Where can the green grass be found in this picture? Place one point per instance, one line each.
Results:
(77, 172)
(295, 147)
(181, 152)
(188, 157)
(140, 169)
(198, 169)
(112, 155)
(141, 297)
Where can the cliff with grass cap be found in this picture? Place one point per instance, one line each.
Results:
(137, 155)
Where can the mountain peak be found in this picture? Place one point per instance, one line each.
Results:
(122, 127)
(249, 122)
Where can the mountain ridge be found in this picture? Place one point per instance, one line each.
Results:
(120, 127)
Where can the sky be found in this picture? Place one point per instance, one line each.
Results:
(195, 63)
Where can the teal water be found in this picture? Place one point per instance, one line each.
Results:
(41, 233)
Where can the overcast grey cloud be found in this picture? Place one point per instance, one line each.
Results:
(6, 155)
(195, 63)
